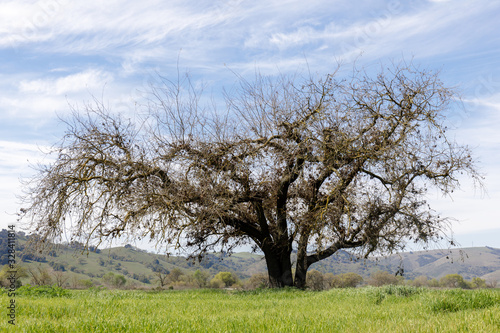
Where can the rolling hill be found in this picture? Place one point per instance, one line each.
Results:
(138, 265)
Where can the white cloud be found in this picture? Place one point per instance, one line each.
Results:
(23, 21)
(477, 211)
(15, 155)
(39, 107)
(83, 81)
(101, 25)
(15, 161)
(136, 38)
(154, 30)
(40, 97)
(388, 30)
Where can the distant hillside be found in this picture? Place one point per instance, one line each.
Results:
(135, 264)
(138, 265)
(483, 262)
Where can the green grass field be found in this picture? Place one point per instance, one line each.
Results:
(385, 309)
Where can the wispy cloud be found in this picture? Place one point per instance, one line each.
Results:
(151, 30)
(15, 158)
(86, 80)
(14, 154)
(42, 97)
(100, 26)
(60, 52)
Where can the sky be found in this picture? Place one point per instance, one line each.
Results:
(57, 55)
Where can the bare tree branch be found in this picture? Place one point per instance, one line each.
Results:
(313, 164)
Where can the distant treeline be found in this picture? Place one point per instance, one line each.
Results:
(179, 279)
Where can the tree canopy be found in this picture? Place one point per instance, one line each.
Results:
(307, 164)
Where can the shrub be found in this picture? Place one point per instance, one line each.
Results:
(40, 276)
(314, 280)
(115, 280)
(175, 275)
(454, 281)
(478, 283)
(420, 281)
(200, 278)
(87, 283)
(42, 291)
(347, 280)
(227, 278)
(6, 275)
(259, 280)
(382, 278)
(119, 281)
(433, 283)
(216, 283)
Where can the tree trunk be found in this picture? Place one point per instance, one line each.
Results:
(301, 274)
(302, 264)
(279, 267)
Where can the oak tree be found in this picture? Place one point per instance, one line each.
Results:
(311, 165)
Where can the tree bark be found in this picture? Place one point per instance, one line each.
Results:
(302, 264)
(300, 275)
(279, 267)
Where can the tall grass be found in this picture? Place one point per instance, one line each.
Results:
(402, 309)
(458, 300)
(378, 294)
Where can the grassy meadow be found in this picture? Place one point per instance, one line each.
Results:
(370, 309)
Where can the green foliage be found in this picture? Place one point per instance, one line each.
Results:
(96, 289)
(266, 310)
(454, 281)
(114, 280)
(379, 294)
(85, 283)
(216, 283)
(42, 291)
(449, 281)
(6, 276)
(227, 279)
(433, 283)
(108, 278)
(120, 281)
(135, 261)
(200, 278)
(458, 300)
(5, 245)
(478, 283)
